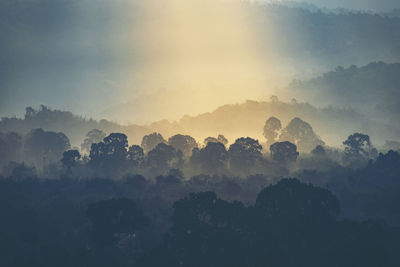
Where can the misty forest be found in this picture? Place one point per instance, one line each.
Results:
(200, 133)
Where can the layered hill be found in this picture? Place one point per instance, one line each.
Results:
(246, 119)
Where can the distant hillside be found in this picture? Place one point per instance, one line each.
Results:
(310, 37)
(333, 125)
(395, 13)
(75, 127)
(91, 56)
(373, 90)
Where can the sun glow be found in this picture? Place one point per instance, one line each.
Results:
(195, 55)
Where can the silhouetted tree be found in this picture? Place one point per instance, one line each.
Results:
(136, 156)
(289, 225)
(118, 143)
(184, 143)
(29, 112)
(301, 134)
(110, 155)
(272, 130)
(92, 137)
(206, 232)
(358, 144)
(389, 161)
(10, 148)
(292, 220)
(149, 142)
(70, 159)
(292, 201)
(44, 146)
(211, 159)
(284, 152)
(244, 155)
(162, 158)
(114, 219)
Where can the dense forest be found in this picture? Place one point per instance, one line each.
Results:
(100, 166)
(334, 123)
(179, 201)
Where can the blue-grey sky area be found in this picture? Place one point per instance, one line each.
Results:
(64, 54)
(87, 56)
(370, 5)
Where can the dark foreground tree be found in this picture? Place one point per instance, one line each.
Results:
(284, 152)
(292, 224)
(135, 157)
(358, 147)
(113, 220)
(291, 201)
(206, 232)
(211, 159)
(162, 158)
(10, 148)
(70, 159)
(245, 155)
(111, 155)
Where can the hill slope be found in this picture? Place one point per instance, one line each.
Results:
(245, 119)
(373, 90)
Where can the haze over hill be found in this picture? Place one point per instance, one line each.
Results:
(94, 58)
(193, 133)
(372, 90)
(246, 119)
(366, 5)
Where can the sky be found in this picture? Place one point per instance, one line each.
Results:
(136, 61)
(129, 61)
(371, 5)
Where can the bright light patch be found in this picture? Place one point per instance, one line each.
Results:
(194, 55)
